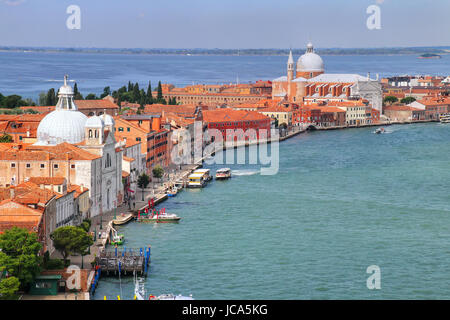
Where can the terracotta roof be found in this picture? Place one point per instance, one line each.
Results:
(14, 214)
(47, 180)
(96, 104)
(128, 159)
(400, 108)
(78, 190)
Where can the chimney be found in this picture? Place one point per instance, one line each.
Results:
(368, 75)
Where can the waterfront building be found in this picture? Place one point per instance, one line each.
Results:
(217, 94)
(229, 119)
(433, 106)
(307, 82)
(402, 113)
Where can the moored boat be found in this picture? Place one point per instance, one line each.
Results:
(444, 118)
(158, 217)
(117, 239)
(206, 174)
(223, 173)
(172, 192)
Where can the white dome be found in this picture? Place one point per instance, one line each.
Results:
(108, 120)
(310, 61)
(61, 126)
(94, 122)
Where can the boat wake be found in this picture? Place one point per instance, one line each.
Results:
(244, 172)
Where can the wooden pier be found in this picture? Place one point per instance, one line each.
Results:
(123, 261)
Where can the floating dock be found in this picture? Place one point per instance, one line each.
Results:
(123, 261)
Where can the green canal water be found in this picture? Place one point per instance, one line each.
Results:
(343, 200)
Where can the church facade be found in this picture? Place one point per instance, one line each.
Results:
(306, 82)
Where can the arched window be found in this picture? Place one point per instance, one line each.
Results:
(90, 133)
(96, 133)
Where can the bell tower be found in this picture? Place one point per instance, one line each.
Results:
(290, 67)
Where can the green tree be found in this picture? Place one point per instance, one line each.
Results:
(408, 100)
(8, 288)
(76, 94)
(159, 96)
(149, 93)
(42, 99)
(13, 101)
(130, 86)
(19, 254)
(91, 96)
(69, 240)
(158, 172)
(6, 138)
(143, 182)
(51, 98)
(390, 99)
(106, 92)
(136, 93)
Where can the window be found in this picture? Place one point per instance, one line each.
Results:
(138, 139)
(13, 165)
(72, 166)
(42, 165)
(90, 133)
(120, 129)
(55, 166)
(28, 165)
(128, 129)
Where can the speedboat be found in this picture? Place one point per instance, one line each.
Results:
(379, 130)
(223, 173)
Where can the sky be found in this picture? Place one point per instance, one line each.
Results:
(224, 23)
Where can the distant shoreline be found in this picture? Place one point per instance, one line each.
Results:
(236, 52)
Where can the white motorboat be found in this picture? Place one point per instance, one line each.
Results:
(223, 173)
(444, 118)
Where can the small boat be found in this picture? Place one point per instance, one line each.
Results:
(444, 118)
(223, 173)
(159, 217)
(170, 297)
(117, 239)
(139, 288)
(379, 130)
(172, 192)
(123, 219)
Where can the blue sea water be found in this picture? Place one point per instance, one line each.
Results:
(29, 73)
(342, 201)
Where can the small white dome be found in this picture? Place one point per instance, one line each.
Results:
(61, 126)
(65, 89)
(94, 122)
(310, 61)
(108, 120)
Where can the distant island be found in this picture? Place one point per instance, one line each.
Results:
(235, 52)
(429, 56)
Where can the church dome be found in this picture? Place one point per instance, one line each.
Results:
(310, 61)
(94, 122)
(108, 120)
(65, 124)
